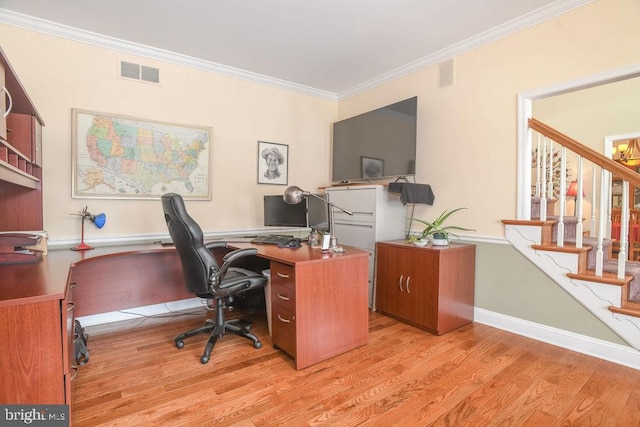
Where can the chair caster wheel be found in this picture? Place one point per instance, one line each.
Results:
(180, 344)
(247, 327)
(204, 359)
(257, 344)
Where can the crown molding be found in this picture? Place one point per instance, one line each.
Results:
(551, 11)
(51, 28)
(54, 29)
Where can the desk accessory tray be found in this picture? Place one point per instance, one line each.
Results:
(13, 248)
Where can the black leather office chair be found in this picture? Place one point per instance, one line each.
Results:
(205, 278)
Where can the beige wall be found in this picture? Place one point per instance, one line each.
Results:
(60, 75)
(467, 132)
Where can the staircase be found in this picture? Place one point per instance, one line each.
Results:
(582, 265)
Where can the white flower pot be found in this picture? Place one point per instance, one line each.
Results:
(439, 242)
(420, 243)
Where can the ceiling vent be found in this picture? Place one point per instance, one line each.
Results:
(134, 71)
(446, 73)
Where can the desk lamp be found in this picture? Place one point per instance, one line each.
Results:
(99, 221)
(294, 195)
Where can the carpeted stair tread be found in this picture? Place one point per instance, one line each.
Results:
(632, 268)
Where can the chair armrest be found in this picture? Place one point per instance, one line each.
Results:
(232, 256)
(239, 253)
(213, 245)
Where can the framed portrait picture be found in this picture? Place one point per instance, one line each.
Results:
(273, 163)
(371, 167)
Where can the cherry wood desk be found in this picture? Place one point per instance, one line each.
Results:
(325, 315)
(319, 302)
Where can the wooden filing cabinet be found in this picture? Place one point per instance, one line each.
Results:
(37, 337)
(318, 302)
(431, 288)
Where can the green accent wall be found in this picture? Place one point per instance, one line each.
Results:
(508, 283)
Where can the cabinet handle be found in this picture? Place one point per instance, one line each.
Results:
(408, 280)
(75, 373)
(284, 276)
(73, 285)
(400, 283)
(6, 113)
(71, 306)
(283, 320)
(283, 297)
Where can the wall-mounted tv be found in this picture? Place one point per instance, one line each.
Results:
(377, 144)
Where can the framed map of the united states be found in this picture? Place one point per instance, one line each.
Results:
(121, 157)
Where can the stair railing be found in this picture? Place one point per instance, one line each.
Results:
(600, 224)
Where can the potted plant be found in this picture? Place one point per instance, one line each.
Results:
(436, 230)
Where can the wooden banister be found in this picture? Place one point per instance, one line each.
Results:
(588, 153)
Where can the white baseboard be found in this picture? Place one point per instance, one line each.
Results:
(616, 353)
(138, 312)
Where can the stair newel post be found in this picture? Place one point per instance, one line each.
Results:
(624, 230)
(563, 191)
(578, 206)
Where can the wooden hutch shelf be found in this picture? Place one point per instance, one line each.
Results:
(20, 155)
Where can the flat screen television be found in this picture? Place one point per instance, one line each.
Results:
(318, 212)
(278, 213)
(377, 144)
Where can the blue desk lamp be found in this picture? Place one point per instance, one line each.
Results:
(99, 221)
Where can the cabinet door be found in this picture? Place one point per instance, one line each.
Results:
(421, 287)
(390, 280)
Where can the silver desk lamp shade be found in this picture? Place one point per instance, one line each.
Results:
(295, 194)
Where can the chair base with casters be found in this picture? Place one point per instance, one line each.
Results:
(217, 330)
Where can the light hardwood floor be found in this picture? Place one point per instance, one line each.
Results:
(475, 376)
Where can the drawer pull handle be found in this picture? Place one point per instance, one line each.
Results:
(283, 297)
(76, 371)
(400, 283)
(285, 276)
(73, 285)
(71, 306)
(408, 280)
(283, 320)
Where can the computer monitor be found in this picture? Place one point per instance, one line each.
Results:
(318, 212)
(278, 213)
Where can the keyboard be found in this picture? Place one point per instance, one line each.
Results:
(273, 239)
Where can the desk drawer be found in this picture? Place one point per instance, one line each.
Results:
(283, 275)
(283, 296)
(284, 329)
